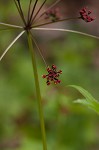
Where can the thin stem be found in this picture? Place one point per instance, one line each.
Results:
(39, 49)
(5, 29)
(18, 9)
(67, 19)
(12, 43)
(32, 12)
(38, 11)
(21, 11)
(66, 30)
(29, 10)
(37, 90)
(10, 25)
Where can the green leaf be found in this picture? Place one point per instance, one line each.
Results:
(85, 93)
(89, 100)
(82, 101)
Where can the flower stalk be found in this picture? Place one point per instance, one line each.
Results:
(56, 21)
(34, 22)
(37, 90)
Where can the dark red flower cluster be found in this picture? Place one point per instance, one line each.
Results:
(85, 15)
(53, 15)
(52, 75)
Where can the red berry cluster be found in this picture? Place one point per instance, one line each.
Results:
(53, 15)
(85, 15)
(52, 75)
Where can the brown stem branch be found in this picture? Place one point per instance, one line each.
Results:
(51, 22)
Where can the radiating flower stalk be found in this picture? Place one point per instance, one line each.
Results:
(36, 21)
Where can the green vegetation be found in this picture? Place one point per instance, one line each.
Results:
(69, 126)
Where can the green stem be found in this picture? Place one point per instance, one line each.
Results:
(37, 90)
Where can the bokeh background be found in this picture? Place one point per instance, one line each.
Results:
(69, 126)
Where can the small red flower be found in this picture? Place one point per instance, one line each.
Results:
(85, 15)
(52, 75)
(53, 15)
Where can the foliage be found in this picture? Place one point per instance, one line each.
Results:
(89, 101)
(68, 126)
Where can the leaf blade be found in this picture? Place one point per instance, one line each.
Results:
(89, 100)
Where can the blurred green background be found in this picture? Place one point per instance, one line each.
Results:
(69, 126)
